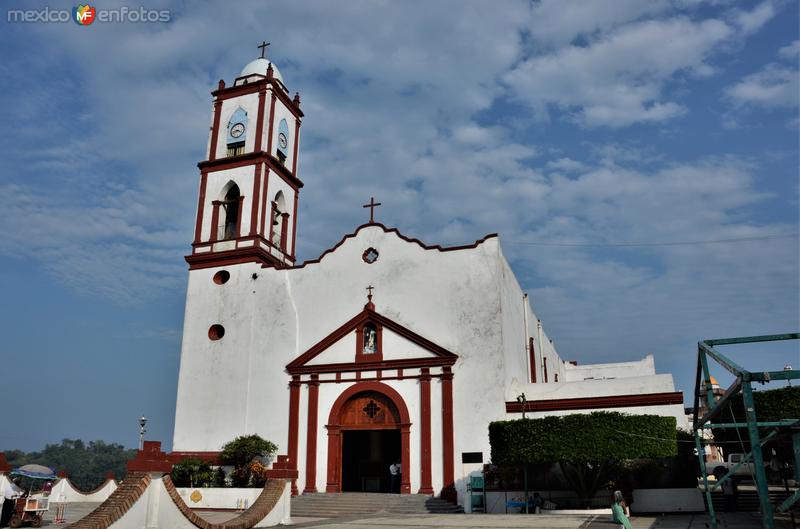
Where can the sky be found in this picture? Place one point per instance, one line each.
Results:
(639, 160)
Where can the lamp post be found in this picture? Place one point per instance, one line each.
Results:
(142, 430)
(522, 400)
(788, 368)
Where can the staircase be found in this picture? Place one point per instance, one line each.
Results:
(365, 503)
(747, 500)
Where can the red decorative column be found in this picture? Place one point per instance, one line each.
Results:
(273, 208)
(334, 456)
(311, 432)
(239, 218)
(405, 462)
(448, 488)
(256, 192)
(294, 224)
(532, 352)
(215, 220)
(212, 149)
(284, 231)
(262, 93)
(294, 425)
(201, 202)
(425, 431)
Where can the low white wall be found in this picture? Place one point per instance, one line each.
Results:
(218, 498)
(496, 500)
(667, 500)
(156, 509)
(63, 491)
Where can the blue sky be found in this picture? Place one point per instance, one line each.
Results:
(573, 129)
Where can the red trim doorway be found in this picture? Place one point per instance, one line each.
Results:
(335, 429)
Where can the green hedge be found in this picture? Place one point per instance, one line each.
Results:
(771, 405)
(600, 436)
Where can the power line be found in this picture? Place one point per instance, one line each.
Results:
(634, 244)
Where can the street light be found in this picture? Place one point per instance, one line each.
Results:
(142, 430)
(787, 367)
(521, 399)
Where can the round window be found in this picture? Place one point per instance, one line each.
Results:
(216, 332)
(370, 255)
(222, 277)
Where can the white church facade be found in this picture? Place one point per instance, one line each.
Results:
(382, 350)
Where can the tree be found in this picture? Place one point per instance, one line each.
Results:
(192, 472)
(586, 447)
(241, 452)
(85, 464)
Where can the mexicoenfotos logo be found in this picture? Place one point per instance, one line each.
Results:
(83, 14)
(86, 15)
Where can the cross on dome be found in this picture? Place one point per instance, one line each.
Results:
(372, 205)
(263, 47)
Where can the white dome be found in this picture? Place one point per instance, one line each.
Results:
(259, 66)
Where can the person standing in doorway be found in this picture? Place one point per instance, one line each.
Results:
(394, 475)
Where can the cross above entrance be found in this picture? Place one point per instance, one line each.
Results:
(263, 47)
(369, 295)
(372, 205)
(371, 409)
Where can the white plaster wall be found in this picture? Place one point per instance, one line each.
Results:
(645, 366)
(63, 491)
(156, 509)
(599, 387)
(667, 500)
(214, 376)
(218, 498)
(341, 352)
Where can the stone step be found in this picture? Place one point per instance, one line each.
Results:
(358, 503)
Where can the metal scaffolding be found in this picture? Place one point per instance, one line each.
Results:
(743, 384)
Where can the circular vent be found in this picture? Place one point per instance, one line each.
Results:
(216, 332)
(222, 277)
(370, 255)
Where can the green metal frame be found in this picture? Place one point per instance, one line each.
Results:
(743, 384)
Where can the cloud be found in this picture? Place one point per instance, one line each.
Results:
(618, 78)
(791, 51)
(776, 85)
(566, 164)
(750, 22)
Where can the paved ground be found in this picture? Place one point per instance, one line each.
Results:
(76, 511)
(514, 521)
(73, 513)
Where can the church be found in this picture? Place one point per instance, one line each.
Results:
(382, 350)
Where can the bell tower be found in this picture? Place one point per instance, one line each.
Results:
(247, 208)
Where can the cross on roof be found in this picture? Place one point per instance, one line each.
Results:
(370, 289)
(263, 47)
(372, 205)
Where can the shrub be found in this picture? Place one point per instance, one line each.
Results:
(241, 452)
(192, 472)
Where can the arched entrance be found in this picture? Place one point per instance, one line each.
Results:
(368, 429)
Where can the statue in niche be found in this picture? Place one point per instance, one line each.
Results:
(370, 340)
